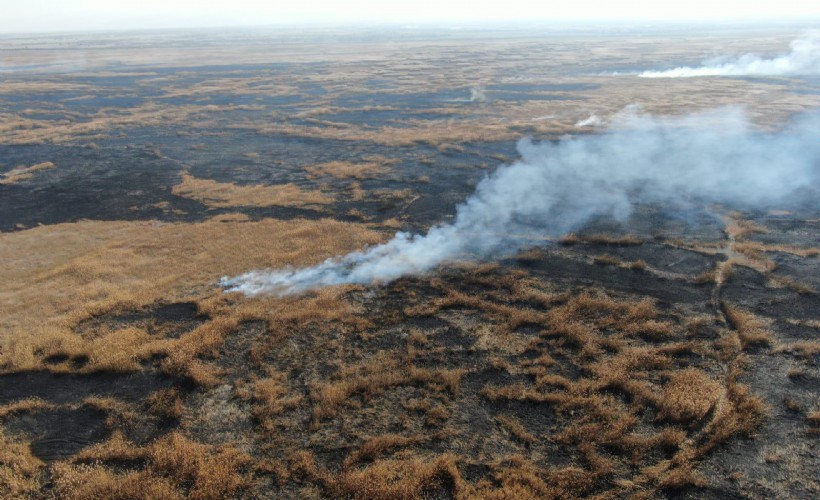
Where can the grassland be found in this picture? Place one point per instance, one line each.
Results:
(660, 358)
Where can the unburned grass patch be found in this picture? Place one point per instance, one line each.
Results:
(23, 173)
(63, 275)
(226, 195)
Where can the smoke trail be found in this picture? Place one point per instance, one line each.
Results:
(591, 121)
(557, 186)
(803, 59)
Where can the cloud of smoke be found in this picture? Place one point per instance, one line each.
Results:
(558, 186)
(803, 59)
(591, 121)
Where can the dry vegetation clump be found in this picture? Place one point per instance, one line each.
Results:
(370, 378)
(601, 239)
(751, 329)
(518, 431)
(395, 479)
(757, 249)
(20, 130)
(623, 350)
(23, 406)
(23, 173)
(19, 469)
(438, 132)
(166, 403)
(806, 349)
(377, 446)
(226, 195)
(350, 170)
(813, 419)
(793, 285)
(606, 260)
(739, 229)
(174, 467)
(638, 265)
(689, 395)
(811, 323)
(706, 277)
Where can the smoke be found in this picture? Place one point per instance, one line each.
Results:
(803, 59)
(591, 121)
(477, 95)
(556, 187)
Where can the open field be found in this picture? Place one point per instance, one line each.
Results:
(675, 355)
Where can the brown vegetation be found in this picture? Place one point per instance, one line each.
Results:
(226, 195)
(99, 267)
(175, 467)
(349, 170)
(23, 173)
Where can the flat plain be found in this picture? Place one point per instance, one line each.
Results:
(663, 357)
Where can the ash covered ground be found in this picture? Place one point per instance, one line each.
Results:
(670, 353)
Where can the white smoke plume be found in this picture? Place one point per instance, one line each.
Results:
(803, 59)
(558, 186)
(590, 121)
(477, 95)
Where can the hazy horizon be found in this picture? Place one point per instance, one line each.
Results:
(52, 16)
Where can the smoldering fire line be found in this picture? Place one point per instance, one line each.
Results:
(556, 187)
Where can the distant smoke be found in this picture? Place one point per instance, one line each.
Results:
(592, 121)
(477, 95)
(558, 186)
(804, 59)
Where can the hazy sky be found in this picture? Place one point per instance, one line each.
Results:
(76, 15)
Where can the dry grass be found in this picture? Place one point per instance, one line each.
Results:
(176, 467)
(638, 265)
(369, 379)
(706, 277)
(811, 323)
(601, 239)
(378, 446)
(19, 469)
(23, 406)
(226, 195)
(756, 249)
(350, 170)
(395, 479)
(793, 285)
(738, 229)
(606, 260)
(272, 398)
(166, 403)
(813, 419)
(99, 267)
(622, 348)
(751, 329)
(516, 429)
(806, 349)
(689, 395)
(23, 173)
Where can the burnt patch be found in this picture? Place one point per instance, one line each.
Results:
(578, 273)
(235, 353)
(59, 434)
(63, 388)
(169, 320)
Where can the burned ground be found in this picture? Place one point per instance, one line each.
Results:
(673, 355)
